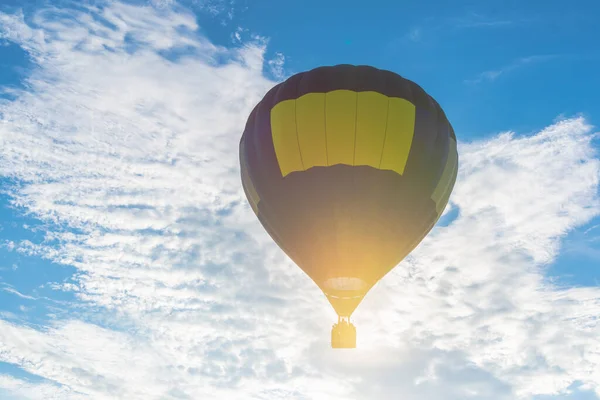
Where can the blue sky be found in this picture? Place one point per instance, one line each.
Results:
(528, 61)
(125, 238)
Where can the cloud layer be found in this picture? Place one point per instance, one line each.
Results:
(125, 140)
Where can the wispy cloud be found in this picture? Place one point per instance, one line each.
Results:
(415, 34)
(132, 158)
(493, 74)
(434, 27)
(478, 20)
(11, 290)
(484, 23)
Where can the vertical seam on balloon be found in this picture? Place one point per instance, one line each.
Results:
(355, 128)
(411, 98)
(325, 127)
(353, 272)
(387, 116)
(296, 121)
(434, 108)
(451, 182)
(442, 165)
(297, 138)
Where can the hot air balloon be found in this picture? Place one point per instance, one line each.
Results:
(347, 168)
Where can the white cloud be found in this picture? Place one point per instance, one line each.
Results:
(140, 154)
(276, 64)
(18, 389)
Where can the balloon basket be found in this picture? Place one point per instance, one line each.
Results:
(343, 335)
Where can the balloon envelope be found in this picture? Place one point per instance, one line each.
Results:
(348, 168)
